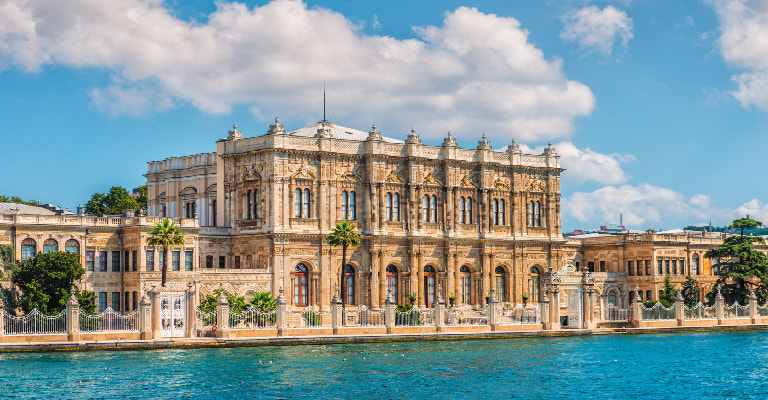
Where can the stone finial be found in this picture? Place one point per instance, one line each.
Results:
(752, 295)
(72, 301)
(324, 131)
(234, 134)
(390, 299)
(483, 144)
(450, 141)
(413, 137)
(513, 147)
(550, 151)
(493, 295)
(440, 295)
(679, 296)
(276, 128)
(374, 134)
(280, 297)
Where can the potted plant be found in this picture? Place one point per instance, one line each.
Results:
(413, 298)
(452, 298)
(525, 299)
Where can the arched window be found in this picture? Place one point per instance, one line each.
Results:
(716, 267)
(344, 204)
(50, 245)
(213, 213)
(388, 207)
(349, 285)
(298, 203)
(695, 264)
(537, 213)
(502, 206)
(392, 281)
(534, 286)
(465, 284)
(429, 285)
(647, 295)
(72, 246)
(433, 208)
(612, 298)
(396, 207)
(462, 211)
(500, 284)
(301, 286)
(28, 248)
(255, 207)
(425, 213)
(495, 211)
(305, 205)
(531, 220)
(248, 205)
(352, 212)
(469, 210)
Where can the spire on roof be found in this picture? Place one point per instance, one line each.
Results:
(277, 127)
(483, 144)
(234, 134)
(449, 141)
(374, 134)
(413, 137)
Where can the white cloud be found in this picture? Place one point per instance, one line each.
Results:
(129, 100)
(475, 73)
(597, 30)
(744, 44)
(584, 164)
(755, 209)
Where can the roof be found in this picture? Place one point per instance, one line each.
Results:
(13, 208)
(339, 132)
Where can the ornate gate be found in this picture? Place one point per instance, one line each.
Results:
(172, 319)
(575, 308)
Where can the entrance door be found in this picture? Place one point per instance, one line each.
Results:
(575, 308)
(429, 286)
(172, 319)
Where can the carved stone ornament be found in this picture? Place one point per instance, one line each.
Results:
(430, 179)
(234, 134)
(502, 184)
(374, 134)
(303, 173)
(513, 148)
(413, 138)
(276, 128)
(551, 276)
(467, 181)
(450, 141)
(550, 151)
(536, 185)
(483, 144)
(394, 177)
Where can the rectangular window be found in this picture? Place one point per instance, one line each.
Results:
(115, 261)
(89, 256)
(577, 266)
(102, 300)
(116, 301)
(222, 262)
(175, 261)
(237, 262)
(660, 268)
(102, 261)
(639, 267)
(187, 261)
(682, 267)
(674, 267)
(648, 267)
(150, 260)
(135, 300)
(208, 261)
(160, 258)
(631, 268)
(666, 267)
(135, 261)
(602, 266)
(591, 266)
(126, 261)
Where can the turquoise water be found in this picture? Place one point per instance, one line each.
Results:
(668, 366)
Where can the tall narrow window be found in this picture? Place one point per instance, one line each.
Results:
(175, 260)
(647, 295)
(648, 267)
(433, 208)
(392, 281)
(465, 283)
(255, 210)
(531, 221)
(396, 207)
(187, 261)
(298, 203)
(612, 298)
(28, 248)
(631, 268)
(429, 285)
(681, 265)
(89, 260)
(495, 211)
(248, 205)
(50, 245)
(116, 301)
(72, 246)
(500, 284)
(695, 264)
(502, 207)
(344, 204)
(150, 260)
(349, 285)
(534, 286)
(115, 261)
(674, 267)
(469, 210)
(352, 210)
(301, 286)
(639, 267)
(666, 267)
(213, 213)
(102, 301)
(102, 261)
(305, 202)
(425, 213)
(660, 267)
(208, 261)
(135, 260)
(388, 206)
(462, 211)
(537, 213)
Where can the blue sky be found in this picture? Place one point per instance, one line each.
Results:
(658, 108)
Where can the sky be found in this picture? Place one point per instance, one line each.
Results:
(658, 108)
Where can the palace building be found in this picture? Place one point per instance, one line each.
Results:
(435, 221)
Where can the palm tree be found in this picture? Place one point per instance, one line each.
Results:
(165, 234)
(343, 235)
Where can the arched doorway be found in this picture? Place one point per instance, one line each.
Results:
(500, 284)
(429, 286)
(392, 282)
(348, 297)
(465, 283)
(534, 286)
(301, 286)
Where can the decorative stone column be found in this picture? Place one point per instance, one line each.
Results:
(554, 302)
(154, 296)
(493, 311)
(145, 318)
(680, 309)
(222, 316)
(440, 311)
(336, 315)
(281, 311)
(719, 307)
(544, 310)
(389, 312)
(485, 274)
(589, 285)
(191, 328)
(73, 317)
(752, 307)
(637, 311)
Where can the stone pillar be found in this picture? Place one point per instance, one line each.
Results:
(637, 310)
(380, 205)
(450, 215)
(281, 311)
(145, 318)
(587, 304)
(336, 315)
(73, 317)
(719, 307)
(421, 296)
(382, 280)
(752, 307)
(554, 306)
(389, 312)
(190, 311)
(222, 316)
(451, 278)
(485, 275)
(680, 309)
(414, 268)
(493, 311)
(440, 311)
(544, 311)
(374, 282)
(157, 327)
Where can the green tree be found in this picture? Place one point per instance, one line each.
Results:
(17, 200)
(690, 291)
(45, 282)
(236, 303)
(264, 302)
(742, 268)
(343, 235)
(113, 203)
(668, 294)
(165, 234)
(141, 201)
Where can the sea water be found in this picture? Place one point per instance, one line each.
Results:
(659, 366)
